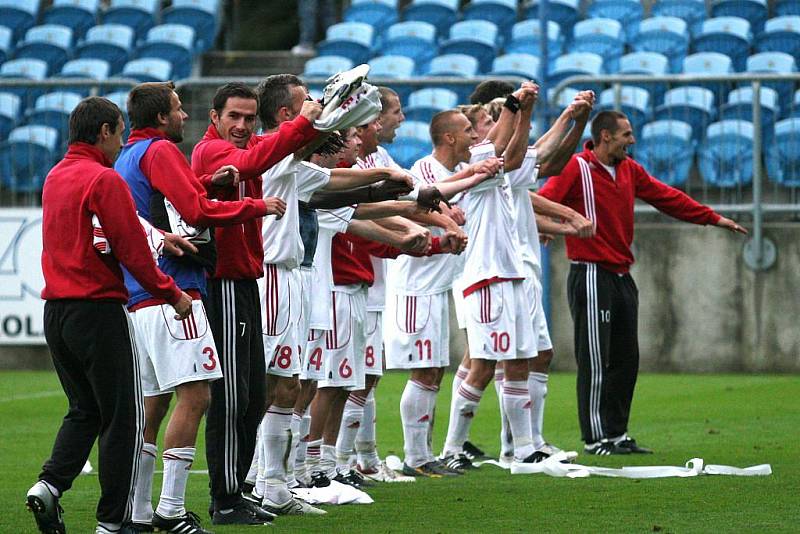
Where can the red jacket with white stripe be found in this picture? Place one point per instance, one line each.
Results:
(587, 187)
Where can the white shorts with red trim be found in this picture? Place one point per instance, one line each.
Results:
(306, 273)
(416, 331)
(281, 307)
(458, 303)
(313, 363)
(499, 325)
(173, 352)
(374, 353)
(539, 322)
(343, 355)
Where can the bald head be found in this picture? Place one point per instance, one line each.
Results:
(446, 122)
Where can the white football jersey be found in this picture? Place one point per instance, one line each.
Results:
(331, 222)
(521, 182)
(290, 180)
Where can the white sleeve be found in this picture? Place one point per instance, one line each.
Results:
(335, 220)
(310, 178)
(155, 239)
(482, 151)
(526, 175)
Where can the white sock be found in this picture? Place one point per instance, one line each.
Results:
(313, 456)
(463, 408)
(300, 471)
(327, 460)
(252, 473)
(261, 477)
(352, 417)
(365, 439)
(537, 386)
(294, 427)
(52, 489)
(277, 436)
(506, 442)
(143, 494)
(458, 378)
(177, 463)
(434, 392)
(517, 404)
(415, 416)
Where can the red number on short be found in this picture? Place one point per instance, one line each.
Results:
(282, 357)
(501, 341)
(315, 359)
(426, 343)
(212, 361)
(370, 357)
(345, 371)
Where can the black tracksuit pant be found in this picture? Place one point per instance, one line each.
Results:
(94, 354)
(238, 401)
(604, 308)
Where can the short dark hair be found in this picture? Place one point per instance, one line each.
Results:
(442, 123)
(275, 92)
(488, 90)
(231, 90)
(386, 94)
(606, 120)
(147, 100)
(88, 118)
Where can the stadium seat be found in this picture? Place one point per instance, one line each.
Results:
(414, 39)
(415, 130)
(380, 14)
(6, 43)
(563, 99)
(202, 16)
(793, 109)
(691, 11)
(627, 12)
(781, 34)
(423, 104)
(96, 69)
(140, 15)
(565, 13)
(753, 10)
(172, 42)
(79, 15)
(634, 102)
(148, 70)
(778, 62)
(651, 63)
(666, 150)
(727, 35)
(665, 35)
(457, 65)
(326, 66)
(352, 40)
(110, 42)
(740, 106)
(33, 69)
(53, 109)
(602, 36)
(476, 38)
(786, 7)
(441, 13)
(690, 104)
(783, 155)
(725, 158)
(503, 13)
(19, 15)
(391, 67)
(526, 39)
(10, 107)
(51, 43)
(120, 98)
(578, 64)
(710, 64)
(27, 156)
(523, 65)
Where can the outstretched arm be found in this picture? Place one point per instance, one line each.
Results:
(541, 206)
(552, 161)
(355, 177)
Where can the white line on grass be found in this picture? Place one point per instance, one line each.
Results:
(28, 396)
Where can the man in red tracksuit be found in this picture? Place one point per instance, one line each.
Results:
(85, 322)
(238, 400)
(602, 183)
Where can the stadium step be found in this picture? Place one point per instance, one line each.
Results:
(251, 63)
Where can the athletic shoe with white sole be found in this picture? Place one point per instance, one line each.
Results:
(187, 523)
(458, 462)
(382, 473)
(243, 513)
(630, 444)
(506, 460)
(473, 452)
(46, 509)
(605, 447)
(549, 449)
(293, 506)
(319, 480)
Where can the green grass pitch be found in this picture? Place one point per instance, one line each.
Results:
(730, 419)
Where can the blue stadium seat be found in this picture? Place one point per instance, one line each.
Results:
(524, 65)
(690, 104)
(781, 34)
(10, 108)
(423, 104)
(691, 11)
(415, 130)
(665, 35)
(503, 13)
(774, 62)
(380, 14)
(148, 69)
(666, 150)
(79, 15)
(753, 10)
(51, 43)
(19, 15)
(786, 7)
(27, 156)
(120, 98)
(578, 64)
(626, 12)
(414, 39)
(33, 69)
(6, 43)
(476, 38)
(525, 39)
(740, 106)
(326, 66)
(440, 13)
(110, 42)
(137, 14)
(172, 42)
(565, 13)
(352, 40)
(646, 63)
(783, 155)
(727, 35)
(634, 102)
(458, 65)
(96, 69)
(602, 36)
(53, 109)
(709, 64)
(725, 158)
(202, 16)
(564, 97)
(391, 67)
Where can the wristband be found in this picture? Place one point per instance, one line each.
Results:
(511, 103)
(436, 246)
(411, 195)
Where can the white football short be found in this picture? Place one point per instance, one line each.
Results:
(374, 353)
(458, 303)
(281, 308)
(174, 352)
(306, 274)
(416, 331)
(343, 355)
(499, 325)
(539, 324)
(314, 359)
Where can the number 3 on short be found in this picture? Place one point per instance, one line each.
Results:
(282, 357)
(212, 361)
(345, 371)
